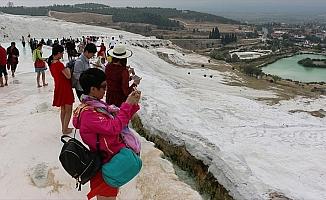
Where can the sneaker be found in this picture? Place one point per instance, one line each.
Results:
(45, 84)
(6, 84)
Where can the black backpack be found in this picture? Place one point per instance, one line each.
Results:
(71, 66)
(79, 161)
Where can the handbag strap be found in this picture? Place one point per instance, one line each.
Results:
(97, 135)
(63, 138)
(78, 117)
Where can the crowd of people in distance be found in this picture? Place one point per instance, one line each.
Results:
(107, 91)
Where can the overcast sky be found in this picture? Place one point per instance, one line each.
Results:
(213, 6)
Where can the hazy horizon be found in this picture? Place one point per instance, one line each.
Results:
(292, 6)
(235, 9)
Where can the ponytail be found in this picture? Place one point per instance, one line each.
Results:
(50, 59)
(55, 50)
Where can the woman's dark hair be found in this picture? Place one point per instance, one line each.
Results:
(92, 77)
(55, 50)
(50, 59)
(39, 45)
(122, 61)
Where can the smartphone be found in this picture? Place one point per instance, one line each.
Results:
(136, 78)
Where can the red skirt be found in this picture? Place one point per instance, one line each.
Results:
(100, 188)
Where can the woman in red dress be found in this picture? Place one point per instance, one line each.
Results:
(102, 51)
(63, 95)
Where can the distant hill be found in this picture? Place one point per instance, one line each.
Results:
(156, 16)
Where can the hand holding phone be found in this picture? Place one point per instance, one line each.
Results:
(136, 79)
(134, 97)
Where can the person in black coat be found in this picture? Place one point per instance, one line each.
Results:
(12, 60)
(23, 41)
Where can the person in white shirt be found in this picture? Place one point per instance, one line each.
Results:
(112, 43)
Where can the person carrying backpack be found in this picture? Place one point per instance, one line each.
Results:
(100, 126)
(81, 65)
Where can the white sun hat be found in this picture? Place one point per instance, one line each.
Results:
(120, 51)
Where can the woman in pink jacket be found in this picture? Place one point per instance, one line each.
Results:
(94, 117)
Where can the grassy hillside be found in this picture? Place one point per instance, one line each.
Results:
(155, 16)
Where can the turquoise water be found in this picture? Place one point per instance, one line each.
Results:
(288, 68)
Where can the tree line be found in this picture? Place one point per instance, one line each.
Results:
(226, 38)
(214, 34)
(155, 16)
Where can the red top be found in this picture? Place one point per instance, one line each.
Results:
(63, 94)
(102, 51)
(3, 56)
(117, 79)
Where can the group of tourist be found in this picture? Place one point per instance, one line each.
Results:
(98, 121)
(107, 118)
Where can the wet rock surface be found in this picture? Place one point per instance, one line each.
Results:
(206, 182)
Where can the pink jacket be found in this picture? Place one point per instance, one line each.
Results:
(92, 122)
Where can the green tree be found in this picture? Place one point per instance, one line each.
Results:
(214, 34)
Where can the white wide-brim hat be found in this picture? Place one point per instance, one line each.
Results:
(120, 51)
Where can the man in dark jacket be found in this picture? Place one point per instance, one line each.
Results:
(12, 60)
